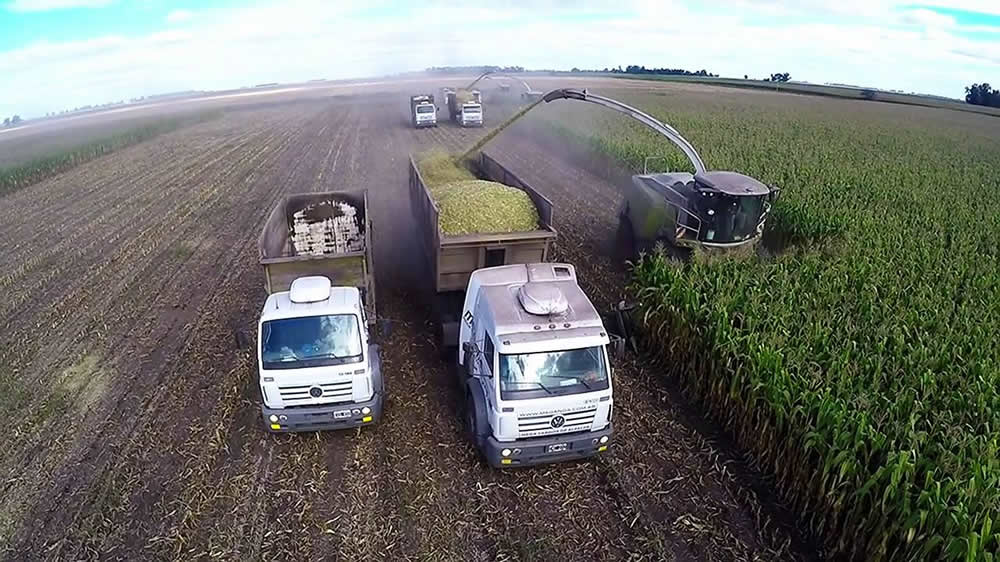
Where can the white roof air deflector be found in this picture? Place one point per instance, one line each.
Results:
(542, 299)
(309, 289)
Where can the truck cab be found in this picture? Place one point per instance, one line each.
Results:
(424, 115)
(535, 367)
(471, 115)
(465, 107)
(423, 112)
(317, 368)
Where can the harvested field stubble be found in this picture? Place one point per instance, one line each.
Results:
(860, 363)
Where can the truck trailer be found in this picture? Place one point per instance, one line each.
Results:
(317, 365)
(451, 259)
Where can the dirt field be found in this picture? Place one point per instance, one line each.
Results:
(133, 419)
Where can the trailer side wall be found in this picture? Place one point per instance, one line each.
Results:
(451, 259)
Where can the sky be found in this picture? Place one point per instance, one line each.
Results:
(60, 54)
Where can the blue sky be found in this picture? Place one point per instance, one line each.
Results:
(57, 54)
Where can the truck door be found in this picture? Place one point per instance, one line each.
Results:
(486, 368)
(486, 359)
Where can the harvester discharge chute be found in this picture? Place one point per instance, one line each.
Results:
(707, 209)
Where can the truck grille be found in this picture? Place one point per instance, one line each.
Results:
(548, 424)
(332, 392)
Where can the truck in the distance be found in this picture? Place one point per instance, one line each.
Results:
(423, 112)
(317, 366)
(465, 107)
(531, 349)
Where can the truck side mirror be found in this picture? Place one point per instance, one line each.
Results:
(469, 352)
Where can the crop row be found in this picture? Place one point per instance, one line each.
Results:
(19, 176)
(859, 361)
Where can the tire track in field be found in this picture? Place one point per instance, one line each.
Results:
(199, 403)
(151, 499)
(63, 261)
(130, 305)
(138, 310)
(116, 205)
(426, 494)
(85, 290)
(307, 462)
(49, 209)
(88, 296)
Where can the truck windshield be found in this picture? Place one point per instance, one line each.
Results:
(310, 341)
(425, 109)
(536, 375)
(472, 109)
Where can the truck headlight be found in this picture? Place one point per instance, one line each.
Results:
(604, 439)
(366, 410)
(273, 418)
(505, 452)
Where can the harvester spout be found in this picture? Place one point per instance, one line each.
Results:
(642, 117)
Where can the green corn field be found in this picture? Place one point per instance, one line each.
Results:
(856, 354)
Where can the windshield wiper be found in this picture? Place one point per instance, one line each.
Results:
(579, 380)
(328, 354)
(542, 386)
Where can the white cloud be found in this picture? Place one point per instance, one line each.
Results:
(178, 16)
(927, 18)
(48, 5)
(294, 40)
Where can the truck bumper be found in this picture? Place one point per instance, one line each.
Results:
(544, 450)
(334, 416)
(424, 124)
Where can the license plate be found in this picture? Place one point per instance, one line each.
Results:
(341, 415)
(557, 448)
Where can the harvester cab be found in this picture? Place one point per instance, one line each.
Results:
(707, 209)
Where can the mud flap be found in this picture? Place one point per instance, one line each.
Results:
(448, 342)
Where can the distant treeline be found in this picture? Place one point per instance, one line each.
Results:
(637, 69)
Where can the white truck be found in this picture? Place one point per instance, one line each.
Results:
(423, 112)
(535, 366)
(465, 107)
(318, 367)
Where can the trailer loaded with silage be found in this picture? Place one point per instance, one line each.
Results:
(323, 233)
(474, 215)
